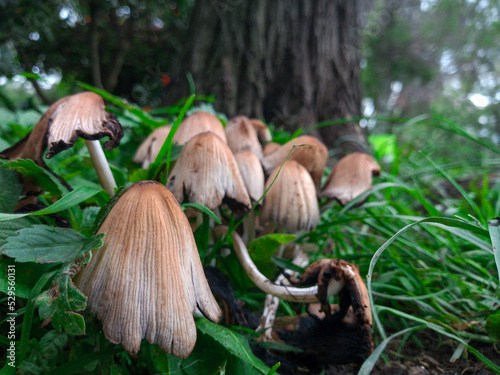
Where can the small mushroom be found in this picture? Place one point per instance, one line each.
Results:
(291, 201)
(242, 136)
(306, 150)
(350, 177)
(197, 123)
(270, 147)
(80, 115)
(206, 172)
(262, 130)
(147, 279)
(149, 149)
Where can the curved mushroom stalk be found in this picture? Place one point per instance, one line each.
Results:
(332, 276)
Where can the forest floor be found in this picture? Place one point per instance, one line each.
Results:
(432, 357)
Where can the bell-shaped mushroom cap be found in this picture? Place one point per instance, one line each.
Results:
(252, 173)
(242, 136)
(313, 156)
(149, 149)
(206, 172)
(196, 123)
(350, 177)
(270, 147)
(262, 130)
(147, 279)
(81, 115)
(292, 200)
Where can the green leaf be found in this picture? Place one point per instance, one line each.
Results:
(494, 227)
(11, 189)
(493, 326)
(203, 209)
(27, 275)
(43, 178)
(45, 244)
(262, 248)
(235, 343)
(69, 200)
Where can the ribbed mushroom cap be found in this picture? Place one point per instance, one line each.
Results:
(292, 200)
(262, 130)
(242, 136)
(147, 279)
(196, 123)
(149, 149)
(313, 156)
(81, 115)
(252, 173)
(350, 177)
(206, 172)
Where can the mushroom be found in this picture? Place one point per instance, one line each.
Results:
(206, 172)
(252, 173)
(291, 201)
(270, 147)
(331, 276)
(149, 149)
(196, 123)
(242, 136)
(307, 150)
(80, 115)
(262, 130)
(350, 177)
(147, 280)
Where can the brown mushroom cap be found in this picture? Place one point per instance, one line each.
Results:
(262, 130)
(270, 147)
(149, 149)
(242, 136)
(292, 200)
(206, 172)
(81, 115)
(252, 173)
(350, 177)
(196, 123)
(147, 279)
(313, 156)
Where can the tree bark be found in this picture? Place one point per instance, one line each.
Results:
(291, 62)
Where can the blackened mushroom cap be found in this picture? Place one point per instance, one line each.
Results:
(147, 279)
(350, 177)
(292, 200)
(206, 172)
(81, 115)
(151, 146)
(242, 136)
(308, 151)
(197, 123)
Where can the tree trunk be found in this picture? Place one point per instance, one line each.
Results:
(291, 62)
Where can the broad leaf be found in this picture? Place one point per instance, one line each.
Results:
(11, 189)
(262, 248)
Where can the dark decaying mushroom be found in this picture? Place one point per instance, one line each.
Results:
(206, 172)
(350, 177)
(147, 279)
(80, 115)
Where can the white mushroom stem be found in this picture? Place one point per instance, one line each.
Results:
(272, 303)
(291, 294)
(101, 166)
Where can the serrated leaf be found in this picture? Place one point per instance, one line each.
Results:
(45, 244)
(69, 200)
(43, 178)
(262, 248)
(235, 343)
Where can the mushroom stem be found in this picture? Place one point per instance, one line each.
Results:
(101, 166)
(291, 294)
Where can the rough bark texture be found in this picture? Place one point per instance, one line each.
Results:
(291, 62)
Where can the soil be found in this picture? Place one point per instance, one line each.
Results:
(431, 357)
